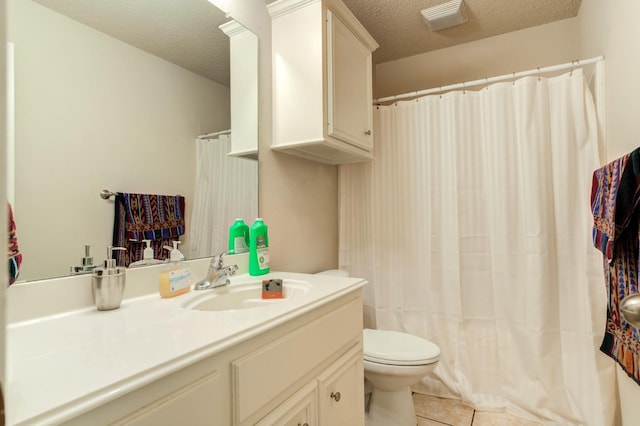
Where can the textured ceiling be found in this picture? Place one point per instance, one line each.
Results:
(400, 30)
(186, 32)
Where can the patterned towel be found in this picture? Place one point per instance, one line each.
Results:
(615, 195)
(14, 255)
(159, 218)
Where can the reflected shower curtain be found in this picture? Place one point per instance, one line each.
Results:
(226, 188)
(473, 228)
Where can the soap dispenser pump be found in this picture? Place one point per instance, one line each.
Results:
(108, 283)
(175, 255)
(147, 256)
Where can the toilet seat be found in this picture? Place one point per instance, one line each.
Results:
(397, 348)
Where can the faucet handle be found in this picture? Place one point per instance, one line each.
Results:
(217, 260)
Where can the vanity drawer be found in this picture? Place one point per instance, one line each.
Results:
(274, 371)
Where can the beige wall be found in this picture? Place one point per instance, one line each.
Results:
(94, 113)
(611, 29)
(527, 49)
(297, 198)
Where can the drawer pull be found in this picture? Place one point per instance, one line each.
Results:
(306, 424)
(368, 133)
(336, 396)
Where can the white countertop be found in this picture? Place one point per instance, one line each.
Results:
(62, 365)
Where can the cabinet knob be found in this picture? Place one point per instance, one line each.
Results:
(368, 133)
(336, 396)
(300, 424)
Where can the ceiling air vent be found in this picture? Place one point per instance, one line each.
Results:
(445, 15)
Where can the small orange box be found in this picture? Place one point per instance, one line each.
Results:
(272, 289)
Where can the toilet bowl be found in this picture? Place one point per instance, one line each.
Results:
(393, 361)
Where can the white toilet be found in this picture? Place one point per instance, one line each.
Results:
(393, 361)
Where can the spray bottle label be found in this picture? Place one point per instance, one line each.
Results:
(263, 258)
(240, 245)
(262, 252)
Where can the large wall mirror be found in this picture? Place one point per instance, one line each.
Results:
(113, 94)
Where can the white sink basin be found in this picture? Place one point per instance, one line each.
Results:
(244, 296)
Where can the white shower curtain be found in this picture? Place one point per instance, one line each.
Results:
(226, 188)
(472, 226)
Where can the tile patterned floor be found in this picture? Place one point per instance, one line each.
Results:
(433, 411)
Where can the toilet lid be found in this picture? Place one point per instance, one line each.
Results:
(397, 348)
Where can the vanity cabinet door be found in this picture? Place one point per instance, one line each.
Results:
(349, 91)
(299, 410)
(194, 405)
(341, 391)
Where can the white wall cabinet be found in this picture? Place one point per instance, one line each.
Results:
(322, 84)
(290, 374)
(243, 64)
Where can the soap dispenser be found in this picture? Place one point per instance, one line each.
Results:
(108, 282)
(147, 256)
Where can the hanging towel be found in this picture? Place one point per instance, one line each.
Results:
(159, 218)
(615, 195)
(14, 255)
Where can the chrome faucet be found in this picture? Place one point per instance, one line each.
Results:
(217, 275)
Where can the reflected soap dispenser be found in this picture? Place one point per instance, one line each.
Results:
(147, 256)
(175, 279)
(108, 283)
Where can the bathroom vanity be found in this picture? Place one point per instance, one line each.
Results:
(187, 360)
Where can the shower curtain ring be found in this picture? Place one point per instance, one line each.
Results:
(539, 79)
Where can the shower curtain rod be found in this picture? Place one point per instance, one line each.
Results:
(211, 135)
(512, 76)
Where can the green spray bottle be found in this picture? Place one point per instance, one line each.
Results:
(259, 248)
(238, 237)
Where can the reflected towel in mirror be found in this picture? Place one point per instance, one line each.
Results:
(158, 218)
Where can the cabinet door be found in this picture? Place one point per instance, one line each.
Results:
(299, 410)
(195, 404)
(349, 86)
(341, 392)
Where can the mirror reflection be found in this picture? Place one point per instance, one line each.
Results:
(93, 111)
